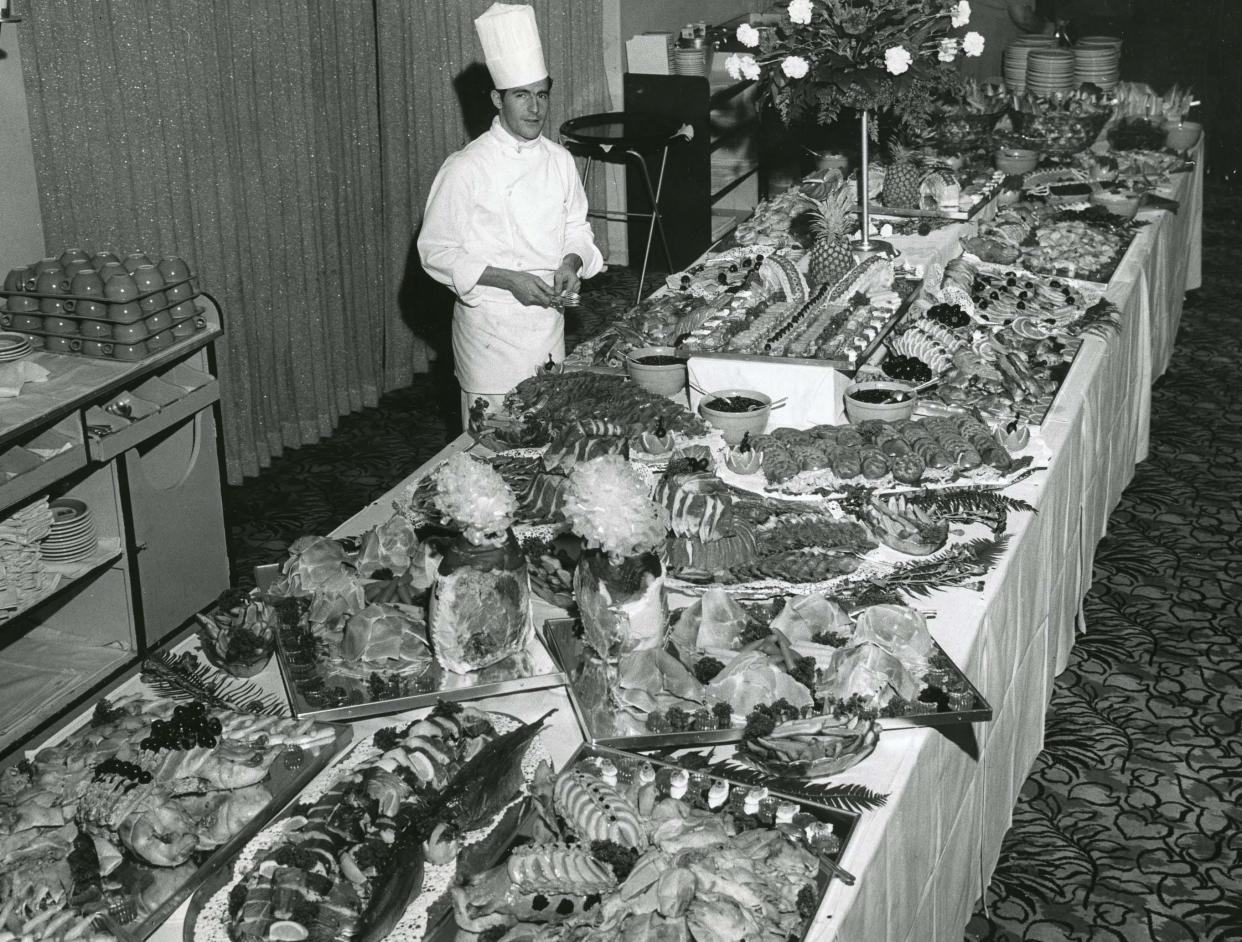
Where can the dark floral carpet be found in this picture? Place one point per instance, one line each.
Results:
(1129, 827)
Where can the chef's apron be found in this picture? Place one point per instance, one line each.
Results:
(498, 342)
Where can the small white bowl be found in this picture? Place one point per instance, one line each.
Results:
(858, 411)
(735, 425)
(665, 379)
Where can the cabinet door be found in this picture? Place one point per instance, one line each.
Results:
(179, 550)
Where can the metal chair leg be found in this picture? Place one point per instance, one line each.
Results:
(653, 194)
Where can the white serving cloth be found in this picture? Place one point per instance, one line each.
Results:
(924, 858)
(508, 204)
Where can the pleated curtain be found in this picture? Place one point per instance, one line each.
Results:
(285, 149)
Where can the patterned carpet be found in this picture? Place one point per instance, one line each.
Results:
(1129, 828)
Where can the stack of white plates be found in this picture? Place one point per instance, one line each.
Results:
(1015, 58)
(13, 346)
(1097, 59)
(1049, 71)
(73, 532)
(689, 61)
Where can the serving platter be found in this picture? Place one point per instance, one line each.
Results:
(600, 726)
(824, 831)
(351, 696)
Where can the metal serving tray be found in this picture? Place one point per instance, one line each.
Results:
(286, 781)
(533, 669)
(841, 822)
(597, 716)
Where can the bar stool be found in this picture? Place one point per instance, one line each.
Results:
(620, 137)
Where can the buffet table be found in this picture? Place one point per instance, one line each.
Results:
(925, 857)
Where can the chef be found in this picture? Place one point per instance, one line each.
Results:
(505, 226)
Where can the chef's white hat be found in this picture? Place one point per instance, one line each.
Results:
(510, 39)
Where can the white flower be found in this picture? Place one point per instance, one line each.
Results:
(897, 59)
(794, 66)
(747, 35)
(961, 16)
(733, 65)
(972, 44)
(800, 11)
(750, 68)
(948, 49)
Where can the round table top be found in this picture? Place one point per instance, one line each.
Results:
(620, 129)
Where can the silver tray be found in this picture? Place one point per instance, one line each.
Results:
(532, 669)
(843, 823)
(285, 784)
(597, 717)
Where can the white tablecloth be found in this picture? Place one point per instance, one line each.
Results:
(925, 857)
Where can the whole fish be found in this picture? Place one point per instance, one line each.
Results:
(481, 787)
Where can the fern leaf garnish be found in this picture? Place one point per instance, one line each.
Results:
(971, 503)
(954, 566)
(846, 797)
(185, 678)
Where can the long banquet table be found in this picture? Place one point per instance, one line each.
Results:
(925, 857)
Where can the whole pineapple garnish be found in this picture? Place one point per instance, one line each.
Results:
(830, 257)
(902, 177)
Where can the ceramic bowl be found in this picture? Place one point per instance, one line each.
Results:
(665, 379)
(184, 328)
(60, 344)
(53, 281)
(54, 306)
(161, 320)
(21, 304)
(26, 322)
(148, 278)
(87, 284)
(161, 340)
(130, 333)
(73, 255)
(96, 348)
(100, 259)
(173, 269)
(735, 425)
(95, 330)
(125, 313)
(183, 310)
(1016, 160)
(121, 288)
(179, 293)
(134, 261)
(129, 351)
(856, 410)
(153, 302)
(1182, 135)
(15, 280)
(60, 325)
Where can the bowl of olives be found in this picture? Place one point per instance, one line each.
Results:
(878, 399)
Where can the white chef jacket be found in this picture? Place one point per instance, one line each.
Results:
(514, 204)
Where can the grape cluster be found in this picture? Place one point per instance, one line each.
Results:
(907, 369)
(948, 315)
(130, 771)
(190, 726)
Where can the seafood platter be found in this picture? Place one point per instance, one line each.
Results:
(995, 340)
(729, 671)
(372, 850)
(353, 638)
(109, 830)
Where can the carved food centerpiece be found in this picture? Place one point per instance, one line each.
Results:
(479, 611)
(619, 583)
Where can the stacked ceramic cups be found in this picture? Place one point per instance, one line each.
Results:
(1015, 59)
(1097, 60)
(1050, 72)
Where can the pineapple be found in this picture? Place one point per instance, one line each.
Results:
(830, 258)
(902, 178)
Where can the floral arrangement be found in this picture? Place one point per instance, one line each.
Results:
(476, 498)
(825, 55)
(608, 506)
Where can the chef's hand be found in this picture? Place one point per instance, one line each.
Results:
(565, 278)
(530, 290)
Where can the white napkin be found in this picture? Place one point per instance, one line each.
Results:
(14, 375)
